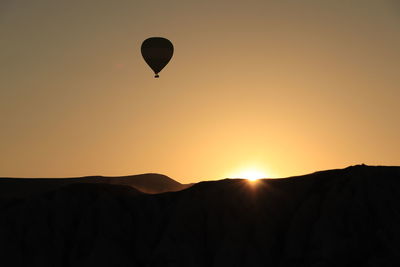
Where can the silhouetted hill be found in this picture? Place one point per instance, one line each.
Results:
(346, 217)
(147, 183)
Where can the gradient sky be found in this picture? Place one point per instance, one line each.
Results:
(290, 87)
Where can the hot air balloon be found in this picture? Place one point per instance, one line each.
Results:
(157, 52)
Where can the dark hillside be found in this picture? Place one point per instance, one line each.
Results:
(149, 183)
(347, 217)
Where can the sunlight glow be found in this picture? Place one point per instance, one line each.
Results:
(250, 174)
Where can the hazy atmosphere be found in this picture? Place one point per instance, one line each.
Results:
(286, 87)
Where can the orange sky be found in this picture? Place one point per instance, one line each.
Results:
(289, 87)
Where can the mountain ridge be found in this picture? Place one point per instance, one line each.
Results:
(148, 183)
(341, 217)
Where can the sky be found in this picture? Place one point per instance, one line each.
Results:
(285, 87)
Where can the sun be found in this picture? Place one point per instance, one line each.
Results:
(250, 174)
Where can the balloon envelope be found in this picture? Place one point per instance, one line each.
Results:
(157, 52)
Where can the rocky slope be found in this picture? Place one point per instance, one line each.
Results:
(347, 217)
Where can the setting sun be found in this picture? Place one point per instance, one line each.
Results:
(250, 174)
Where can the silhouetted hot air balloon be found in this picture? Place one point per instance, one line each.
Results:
(157, 52)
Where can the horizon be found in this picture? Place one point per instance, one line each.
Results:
(254, 88)
(208, 179)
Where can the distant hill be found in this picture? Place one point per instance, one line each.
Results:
(148, 183)
(345, 217)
